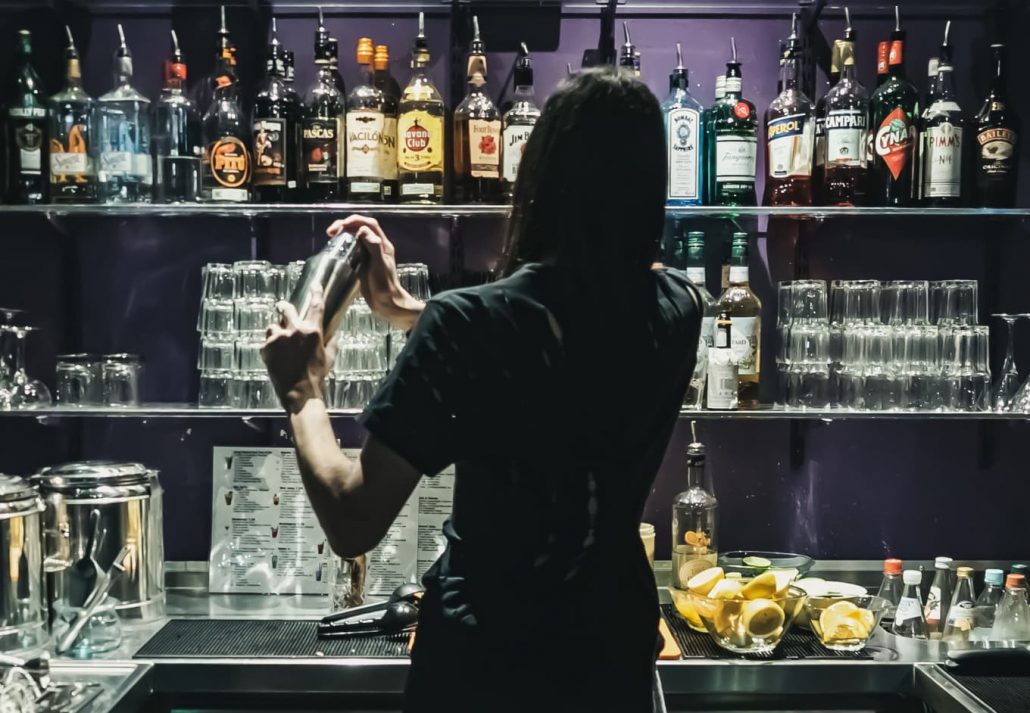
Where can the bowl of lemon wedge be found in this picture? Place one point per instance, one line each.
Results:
(845, 623)
(745, 615)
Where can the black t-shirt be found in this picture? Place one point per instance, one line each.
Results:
(556, 413)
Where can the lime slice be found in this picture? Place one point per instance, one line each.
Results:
(756, 562)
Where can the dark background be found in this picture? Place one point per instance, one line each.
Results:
(857, 489)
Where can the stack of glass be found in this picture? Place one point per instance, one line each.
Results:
(907, 344)
(414, 278)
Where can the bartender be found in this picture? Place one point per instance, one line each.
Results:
(554, 391)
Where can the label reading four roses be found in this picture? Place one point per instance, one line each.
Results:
(484, 148)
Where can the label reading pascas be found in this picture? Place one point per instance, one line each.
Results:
(321, 143)
(893, 141)
(270, 147)
(229, 162)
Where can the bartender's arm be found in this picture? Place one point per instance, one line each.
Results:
(355, 500)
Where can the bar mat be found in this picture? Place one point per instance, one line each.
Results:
(797, 644)
(1004, 694)
(259, 638)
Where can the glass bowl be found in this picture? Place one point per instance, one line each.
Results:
(685, 608)
(816, 587)
(845, 623)
(734, 561)
(748, 626)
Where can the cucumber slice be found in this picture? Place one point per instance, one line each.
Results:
(756, 562)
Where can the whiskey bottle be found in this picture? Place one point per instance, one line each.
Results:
(894, 111)
(685, 139)
(518, 122)
(385, 83)
(273, 130)
(125, 174)
(997, 142)
(745, 312)
(177, 136)
(846, 167)
(73, 177)
(694, 518)
(477, 134)
(26, 131)
(790, 126)
(943, 129)
(366, 126)
(226, 166)
(322, 129)
(420, 130)
(735, 132)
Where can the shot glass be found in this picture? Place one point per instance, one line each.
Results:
(216, 318)
(121, 379)
(255, 279)
(906, 302)
(218, 281)
(79, 380)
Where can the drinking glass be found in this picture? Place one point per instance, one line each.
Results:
(121, 375)
(414, 277)
(881, 386)
(849, 386)
(293, 272)
(216, 354)
(906, 302)
(966, 371)
(216, 318)
(953, 303)
(808, 302)
(218, 281)
(216, 388)
(253, 315)
(921, 369)
(1008, 383)
(255, 279)
(21, 391)
(79, 380)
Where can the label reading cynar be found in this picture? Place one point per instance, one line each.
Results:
(321, 150)
(893, 141)
(270, 147)
(484, 148)
(420, 135)
(229, 162)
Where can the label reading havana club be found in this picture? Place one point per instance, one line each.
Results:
(420, 135)
(484, 139)
(893, 141)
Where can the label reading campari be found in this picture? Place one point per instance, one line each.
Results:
(893, 141)
(420, 139)
(790, 146)
(682, 150)
(845, 138)
(515, 138)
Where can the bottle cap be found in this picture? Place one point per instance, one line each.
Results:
(964, 572)
(892, 566)
(381, 60)
(943, 562)
(1015, 581)
(523, 73)
(912, 576)
(365, 50)
(695, 449)
(1018, 569)
(994, 577)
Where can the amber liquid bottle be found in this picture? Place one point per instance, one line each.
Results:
(845, 165)
(790, 127)
(477, 135)
(421, 137)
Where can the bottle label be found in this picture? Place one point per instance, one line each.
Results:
(515, 138)
(893, 141)
(882, 52)
(484, 139)
(820, 141)
(28, 137)
(708, 331)
(897, 53)
(790, 146)
(933, 605)
(942, 161)
(734, 85)
(722, 378)
(229, 162)
(364, 157)
(420, 135)
(908, 608)
(696, 275)
(997, 147)
(388, 149)
(845, 138)
(115, 163)
(744, 336)
(684, 131)
(70, 161)
(270, 147)
(735, 159)
(321, 144)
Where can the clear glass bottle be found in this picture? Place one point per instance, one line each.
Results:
(790, 136)
(961, 614)
(722, 392)
(695, 268)
(366, 125)
(226, 167)
(1012, 619)
(939, 599)
(941, 146)
(845, 177)
(477, 134)
(908, 617)
(25, 125)
(745, 311)
(421, 135)
(987, 604)
(73, 177)
(685, 139)
(518, 122)
(322, 157)
(125, 174)
(735, 139)
(273, 130)
(694, 520)
(176, 137)
(891, 586)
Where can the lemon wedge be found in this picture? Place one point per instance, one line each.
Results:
(763, 586)
(686, 609)
(783, 580)
(844, 621)
(762, 617)
(727, 589)
(703, 582)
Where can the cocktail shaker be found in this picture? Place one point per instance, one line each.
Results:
(336, 269)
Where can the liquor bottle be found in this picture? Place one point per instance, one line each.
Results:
(939, 598)
(723, 379)
(745, 312)
(26, 131)
(987, 604)
(735, 133)
(204, 91)
(368, 146)
(273, 131)
(629, 56)
(960, 622)
(694, 263)
(177, 136)
(384, 80)
(891, 586)
(819, 153)
(518, 122)
(894, 111)
(709, 141)
(997, 142)
(1012, 620)
(790, 125)
(420, 130)
(226, 167)
(883, 50)
(846, 165)
(685, 139)
(942, 150)
(385, 83)
(694, 520)
(322, 156)
(73, 177)
(334, 66)
(908, 617)
(477, 134)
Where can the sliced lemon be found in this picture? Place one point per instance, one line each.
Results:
(756, 562)
(761, 587)
(844, 620)
(727, 589)
(762, 617)
(734, 575)
(702, 582)
(783, 580)
(685, 607)
(727, 619)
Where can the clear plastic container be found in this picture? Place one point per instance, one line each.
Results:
(987, 604)
(909, 620)
(891, 586)
(1012, 621)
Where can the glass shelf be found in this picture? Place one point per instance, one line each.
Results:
(182, 410)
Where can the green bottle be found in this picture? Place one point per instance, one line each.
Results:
(735, 145)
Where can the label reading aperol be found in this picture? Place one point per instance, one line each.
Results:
(484, 148)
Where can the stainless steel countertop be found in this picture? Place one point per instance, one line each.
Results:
(124, 686)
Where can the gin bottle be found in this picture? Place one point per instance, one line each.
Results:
(735, 134)
(26, 131)
(518, 122)
(176, 137)
(73, 177)
(908, 617)
(684, 135)
(694, 536)
(943, 128)
(123, 132)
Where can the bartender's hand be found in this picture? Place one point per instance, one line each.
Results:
(380, 285)
(297, 360)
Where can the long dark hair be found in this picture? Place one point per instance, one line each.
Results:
(590, 193)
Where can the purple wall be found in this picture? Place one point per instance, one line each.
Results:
(847, 489)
